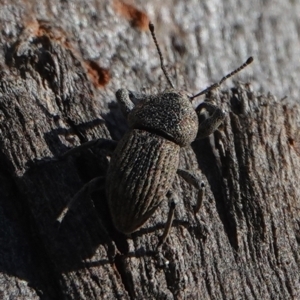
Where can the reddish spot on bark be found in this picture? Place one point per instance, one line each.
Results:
(295, 144)
(291, 141)
(99, 76)
(137, 18)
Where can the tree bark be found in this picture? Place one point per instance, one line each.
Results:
(61, 64)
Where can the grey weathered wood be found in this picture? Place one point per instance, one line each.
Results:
(243, 244)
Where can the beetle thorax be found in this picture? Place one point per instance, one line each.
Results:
(169, 114)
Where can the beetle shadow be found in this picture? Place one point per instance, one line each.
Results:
(115, 121)
(210, 165)
(50, 183)
(69, 237)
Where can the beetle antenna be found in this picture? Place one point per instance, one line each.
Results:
(151, 28)
(216, 85)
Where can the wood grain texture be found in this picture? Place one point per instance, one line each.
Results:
(61, 63)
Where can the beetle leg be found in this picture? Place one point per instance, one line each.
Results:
(194, 181)
(107, 144)
(173, 199)
(97, 183)
(125, 102)
(210, 118)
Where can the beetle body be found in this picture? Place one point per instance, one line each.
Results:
(144, 164)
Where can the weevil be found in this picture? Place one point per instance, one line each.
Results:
(145, 161)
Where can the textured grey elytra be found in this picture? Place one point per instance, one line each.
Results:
(141, 172)
(145, 161)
